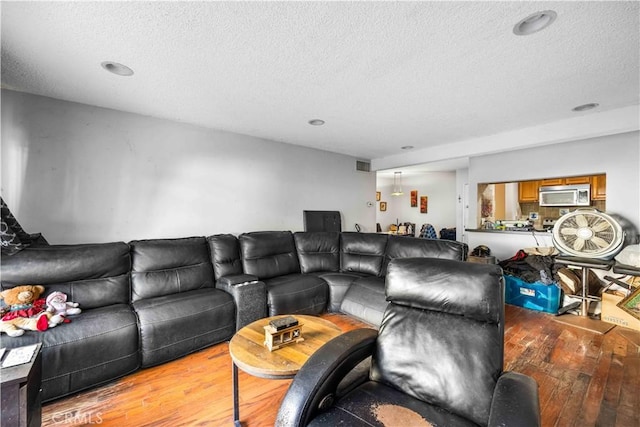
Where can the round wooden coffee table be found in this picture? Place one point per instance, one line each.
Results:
(249, 353)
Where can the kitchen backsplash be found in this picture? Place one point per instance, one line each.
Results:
(547, 212)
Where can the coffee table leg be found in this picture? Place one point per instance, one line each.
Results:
(236, 404)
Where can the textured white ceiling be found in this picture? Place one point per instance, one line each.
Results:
(381, 74)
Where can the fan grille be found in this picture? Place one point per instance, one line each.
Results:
(588, 233)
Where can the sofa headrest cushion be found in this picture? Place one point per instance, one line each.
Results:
(481, 297)
(268, 254)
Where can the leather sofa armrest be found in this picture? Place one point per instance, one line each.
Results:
(315, 385)
(236, 279)
(515, 401)
(249, 295)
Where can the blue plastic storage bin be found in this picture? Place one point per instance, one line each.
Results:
(534, 296)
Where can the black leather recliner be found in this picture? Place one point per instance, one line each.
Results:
(437, 358)
(173, 295)
(100, 344)
(271, 257)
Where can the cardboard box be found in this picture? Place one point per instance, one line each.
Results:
(613, 314)
(482, 259)
(534, 296)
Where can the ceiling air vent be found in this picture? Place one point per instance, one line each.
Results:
(363, 166)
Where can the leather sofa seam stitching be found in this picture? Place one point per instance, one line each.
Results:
(92, 336)
(91, 367)
(181, 267)
(305, 290)
(183, 340)
(187, 316)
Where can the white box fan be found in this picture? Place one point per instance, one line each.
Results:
(588, 233)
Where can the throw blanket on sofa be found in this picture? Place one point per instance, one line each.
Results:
(12, 237)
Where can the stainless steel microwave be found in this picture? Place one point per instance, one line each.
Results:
(565, 195)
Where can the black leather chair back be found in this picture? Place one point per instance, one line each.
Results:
(362, 252)
(318, 251)
(93, 275)
(169, 266)
(225, 255)
(444, 346)
(413, 247)
(268, 254)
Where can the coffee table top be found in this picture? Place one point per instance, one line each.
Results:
(249, 353)
(19, 373)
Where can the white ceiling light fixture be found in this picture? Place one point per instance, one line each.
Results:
(397, 184)
(117, 68)
(535, 22)
(585, 107)
(316, 122)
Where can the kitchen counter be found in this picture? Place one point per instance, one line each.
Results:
(486, 230)
(505, 244)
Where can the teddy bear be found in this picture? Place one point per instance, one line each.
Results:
(26, 311)
(57, 304)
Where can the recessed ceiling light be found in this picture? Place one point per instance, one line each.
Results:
(534, 23)
(585, 107)
(116, 68)
(407, 147)
(316, 122)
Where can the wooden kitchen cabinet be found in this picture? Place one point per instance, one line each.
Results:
(572, 180)
(599, 187)
(577, 180)
(551, 181)
(528, 191)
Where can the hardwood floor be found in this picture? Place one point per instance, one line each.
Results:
(585, 379)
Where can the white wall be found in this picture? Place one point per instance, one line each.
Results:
(617, 155)
(462, 207)
(439, 187)
(584, 126)
(85, 174)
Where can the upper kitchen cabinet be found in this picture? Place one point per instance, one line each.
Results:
(551, 181)
(528, 191)
(599, 187)
(577, 180)
(565, 181)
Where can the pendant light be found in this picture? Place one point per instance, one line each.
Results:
(397, 184)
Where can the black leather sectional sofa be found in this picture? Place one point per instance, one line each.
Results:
(147, 302)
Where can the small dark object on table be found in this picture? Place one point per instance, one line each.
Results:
(283, 323)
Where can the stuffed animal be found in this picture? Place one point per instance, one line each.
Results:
(26, 311)
(57, 304)
(16, 326)
(21, 295)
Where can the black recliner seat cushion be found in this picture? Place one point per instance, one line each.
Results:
(271, 256)
(179, 309)
(365, 300)
(296, 293)
(101, 343)
(98, 346)
(339, 284)
(392, 407)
